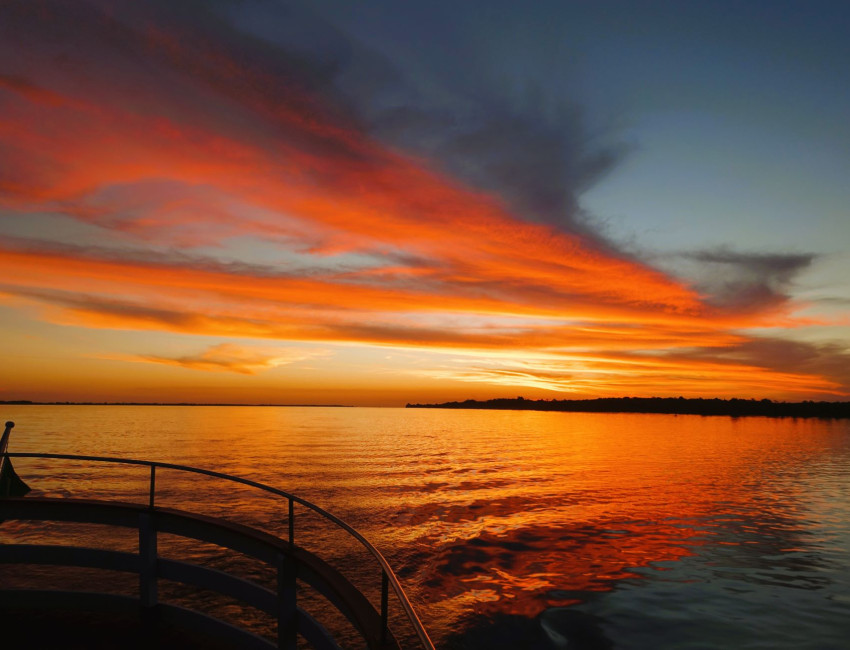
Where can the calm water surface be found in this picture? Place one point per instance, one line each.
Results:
(515, 529)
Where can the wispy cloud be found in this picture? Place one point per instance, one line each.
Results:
(231, 357)
(744, 281)
(630, 373)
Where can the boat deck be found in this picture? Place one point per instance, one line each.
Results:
(33, 627)
(62, 618)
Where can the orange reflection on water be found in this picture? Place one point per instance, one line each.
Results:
(572, 504)
(491, 513)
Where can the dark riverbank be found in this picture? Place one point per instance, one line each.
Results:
(667, 405)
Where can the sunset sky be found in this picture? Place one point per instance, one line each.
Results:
(379, 202)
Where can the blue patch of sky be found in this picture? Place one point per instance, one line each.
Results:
(704, 180)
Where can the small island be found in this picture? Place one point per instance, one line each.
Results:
(669, 405)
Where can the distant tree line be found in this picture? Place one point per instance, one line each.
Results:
(670, 405)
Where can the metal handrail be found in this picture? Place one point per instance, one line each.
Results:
(388, 577)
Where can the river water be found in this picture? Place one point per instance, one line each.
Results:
(508, 529)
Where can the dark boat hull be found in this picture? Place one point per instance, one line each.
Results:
(11, 484)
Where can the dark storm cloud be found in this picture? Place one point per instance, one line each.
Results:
(747, 281)
(539, 166)
(230, 66)
(830, 360)
(532, 150)
(827, 359)
(780, 266)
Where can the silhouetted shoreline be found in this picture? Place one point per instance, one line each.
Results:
(667, 405)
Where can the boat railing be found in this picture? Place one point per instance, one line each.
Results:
(389, 580)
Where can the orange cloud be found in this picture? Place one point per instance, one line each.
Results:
(213, 151)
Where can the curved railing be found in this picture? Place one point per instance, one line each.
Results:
(388, 577)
